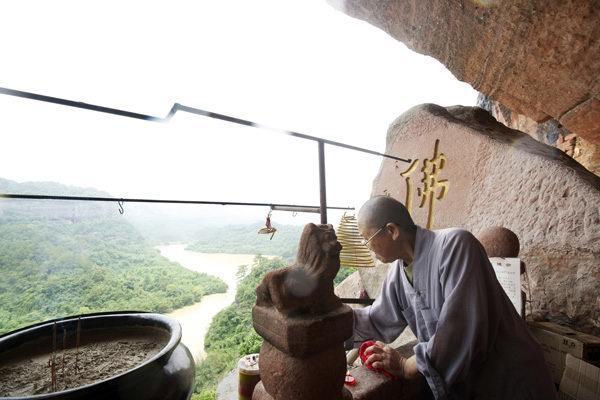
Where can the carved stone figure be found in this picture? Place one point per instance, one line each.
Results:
(307, 286)
(303, 324)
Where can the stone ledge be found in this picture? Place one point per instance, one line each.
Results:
(372, 385)
(375, 386)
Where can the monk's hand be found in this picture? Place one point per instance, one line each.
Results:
(382, 356)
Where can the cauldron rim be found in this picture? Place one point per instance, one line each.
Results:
(161, 320)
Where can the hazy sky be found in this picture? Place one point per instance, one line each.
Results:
(298, 65)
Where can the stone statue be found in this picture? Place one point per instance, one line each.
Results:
(303, 324)
(307, 286)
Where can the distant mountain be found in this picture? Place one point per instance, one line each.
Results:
(48, 188)
(52, 209)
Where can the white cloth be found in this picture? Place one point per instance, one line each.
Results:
(472, 343)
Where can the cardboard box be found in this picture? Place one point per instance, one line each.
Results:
(580, 380)
(557, 341)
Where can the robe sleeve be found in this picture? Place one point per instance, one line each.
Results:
(469, 319)
(383, 320)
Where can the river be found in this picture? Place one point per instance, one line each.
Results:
(195, 319)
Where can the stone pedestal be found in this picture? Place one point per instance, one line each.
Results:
(302, 357)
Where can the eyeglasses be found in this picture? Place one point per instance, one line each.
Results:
(366, 242)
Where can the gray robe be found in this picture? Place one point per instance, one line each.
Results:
(472, 342)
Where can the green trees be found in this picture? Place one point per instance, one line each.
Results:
(56, 270)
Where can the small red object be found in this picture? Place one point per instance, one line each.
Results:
(363, 357)
(349, 379)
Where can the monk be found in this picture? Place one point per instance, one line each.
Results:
(472, 343)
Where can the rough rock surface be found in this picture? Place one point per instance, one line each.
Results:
(539, 58)
(550, 132)
(351, 288)
(546, 132)
(588, 154)
(318, 377)
(502, 177)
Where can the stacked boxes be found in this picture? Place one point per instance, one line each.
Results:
(557, 341)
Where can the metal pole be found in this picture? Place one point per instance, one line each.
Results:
(303, 209)
(282, 207)
(197, 111)
(367, 302)
(192, 110)
(323, 193)
(78, 104)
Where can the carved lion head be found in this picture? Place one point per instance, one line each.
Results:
(319, 251)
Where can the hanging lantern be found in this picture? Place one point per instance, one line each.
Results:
(268, 229)
(354, 253)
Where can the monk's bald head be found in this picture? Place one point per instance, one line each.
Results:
(381, 210)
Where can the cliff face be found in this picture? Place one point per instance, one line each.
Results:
(538, 58)
(496, 176)
(550, 132)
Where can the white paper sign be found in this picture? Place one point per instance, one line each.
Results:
(508, 272)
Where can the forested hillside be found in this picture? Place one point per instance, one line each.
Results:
(61, 258)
